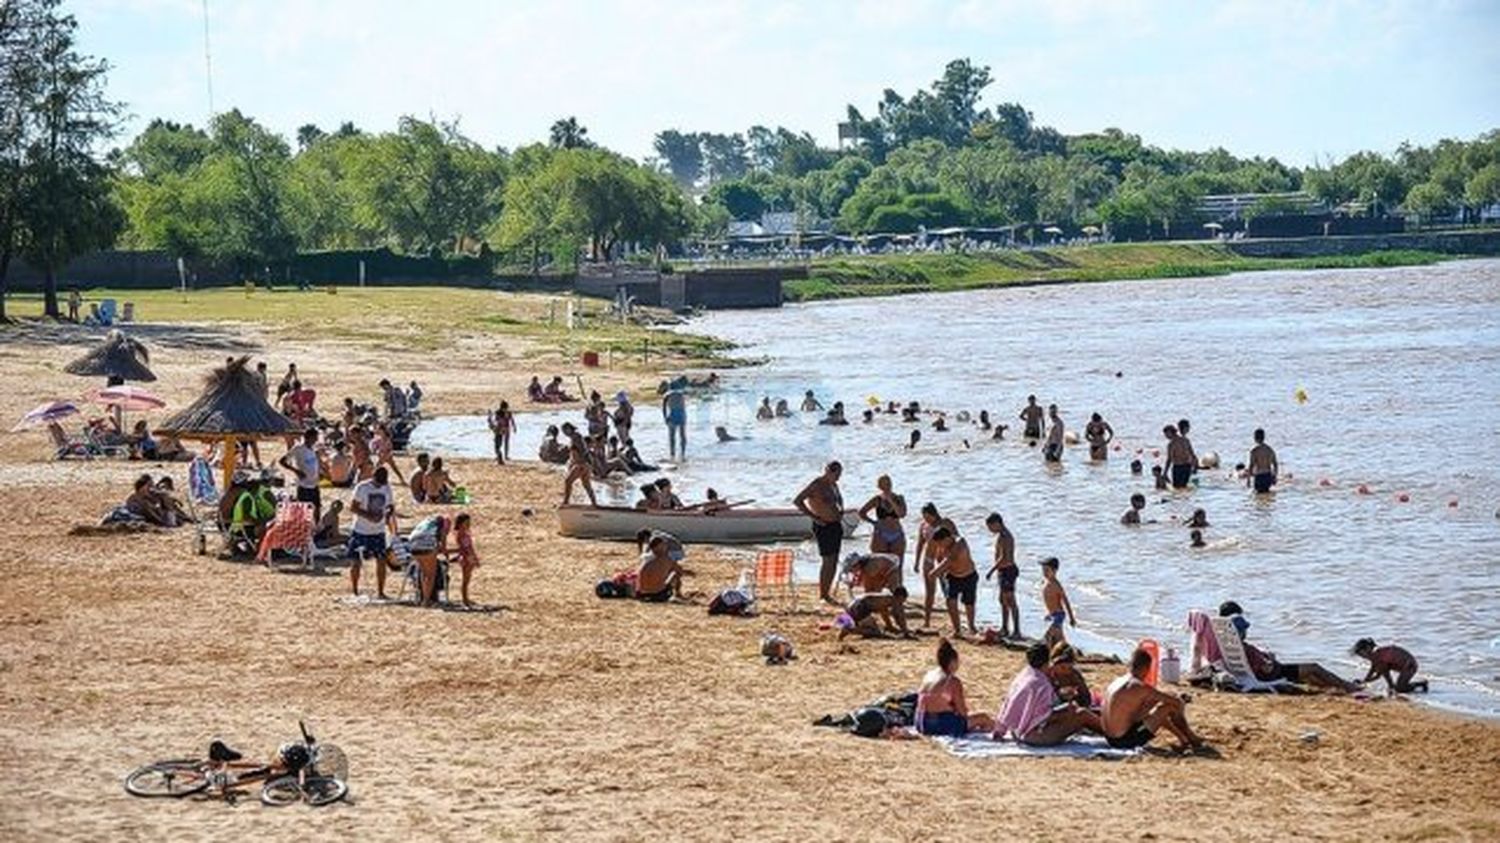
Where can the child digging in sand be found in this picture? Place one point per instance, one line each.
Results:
(1387, 660)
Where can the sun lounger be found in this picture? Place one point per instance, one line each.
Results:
(291, 530)
(67, 446)
(1236, 663)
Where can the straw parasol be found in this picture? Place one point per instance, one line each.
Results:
(119, 357)
(231, 409)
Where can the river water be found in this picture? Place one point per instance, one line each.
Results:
(1401, 373)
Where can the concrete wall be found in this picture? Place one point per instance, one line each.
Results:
(716, 289)
(1453, 243)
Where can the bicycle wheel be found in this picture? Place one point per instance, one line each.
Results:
(174, 779)
(321, 790)
(280, 792)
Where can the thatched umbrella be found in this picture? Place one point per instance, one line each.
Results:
(119, 358)
(230, 410)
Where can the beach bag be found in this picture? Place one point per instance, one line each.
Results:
(730, 601)
(869, 723)
(608, 589)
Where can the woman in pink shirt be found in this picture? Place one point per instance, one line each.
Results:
(1030, 714)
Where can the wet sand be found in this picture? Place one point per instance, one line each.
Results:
(562, 713)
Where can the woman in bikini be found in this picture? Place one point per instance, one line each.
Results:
(942, 709)
(884, 512)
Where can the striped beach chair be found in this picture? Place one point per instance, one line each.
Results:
(775, 575)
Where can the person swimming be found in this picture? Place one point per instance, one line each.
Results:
(724, 435)
(1195, 539)
(1136, 467)
(916, 436)
(1132, 516)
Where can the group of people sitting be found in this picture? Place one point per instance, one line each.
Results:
(152, 502)
(1049, 702)
(552, 393)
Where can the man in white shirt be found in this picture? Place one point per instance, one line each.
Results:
(374, 506)
(302, 460)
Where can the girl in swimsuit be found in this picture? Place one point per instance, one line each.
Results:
(925, 560)
(888, 508)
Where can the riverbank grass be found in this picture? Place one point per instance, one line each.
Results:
(880, 275)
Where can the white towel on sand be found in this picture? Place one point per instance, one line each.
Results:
(981, 745)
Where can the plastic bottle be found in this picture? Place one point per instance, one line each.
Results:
(1151, 647)
(1171, 667)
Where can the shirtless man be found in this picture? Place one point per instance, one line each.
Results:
(1053, 450)
(659, 578)
(1262, 465)
(955, 570)
(1134, 711)
(877, 571)
(1034, 418)
(1005, 566)
(822, 501)
(1181, 460)
(341, 466)
(810, 403)
(878, 615)
(1055, 598)
(437, 486)
(764, 412)
(578, 466)
(1099, 434)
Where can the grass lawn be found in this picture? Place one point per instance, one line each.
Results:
(420, 317)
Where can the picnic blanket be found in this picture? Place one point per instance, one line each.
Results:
(981, 745)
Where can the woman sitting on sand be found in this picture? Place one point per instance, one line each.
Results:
(145, 504)
(942, 709)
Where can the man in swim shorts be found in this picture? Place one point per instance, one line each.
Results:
(960, 579)
(1033, 417)
(1262, 466)
(1181, 461)
(1005, 566)
(1053, 450)
(1134, 711)
(822, 501)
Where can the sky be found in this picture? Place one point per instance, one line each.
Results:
(1302, 81)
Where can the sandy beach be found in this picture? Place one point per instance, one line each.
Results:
(560, 713)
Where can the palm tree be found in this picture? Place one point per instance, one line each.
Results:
(567, 133)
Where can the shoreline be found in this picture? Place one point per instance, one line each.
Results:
(561, 713)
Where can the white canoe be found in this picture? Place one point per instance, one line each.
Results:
(728, 526)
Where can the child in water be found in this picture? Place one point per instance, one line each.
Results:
(1132, 516)
(1195, 539)
(1158, 478)
(1387, 660)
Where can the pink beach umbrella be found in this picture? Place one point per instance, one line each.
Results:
(131, 399)
(47, 413)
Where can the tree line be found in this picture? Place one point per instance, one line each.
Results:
(237, 193)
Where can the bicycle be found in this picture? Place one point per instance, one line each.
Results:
(302, 772)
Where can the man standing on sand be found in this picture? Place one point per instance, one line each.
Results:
(956, 571)
(822, 501)
(303, 461)
(374, 507)
(1053, 450)
(1262, 465)
(1005, 567)
(1034, 418)
(674, 412)
(1134, 711)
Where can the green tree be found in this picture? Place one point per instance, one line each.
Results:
(1483, 188)
(724, 156)
(683, 153)
(65, 207)
(568, 133)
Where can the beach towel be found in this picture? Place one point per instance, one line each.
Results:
(291, 530)
(981, 745)
(1204, 649)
